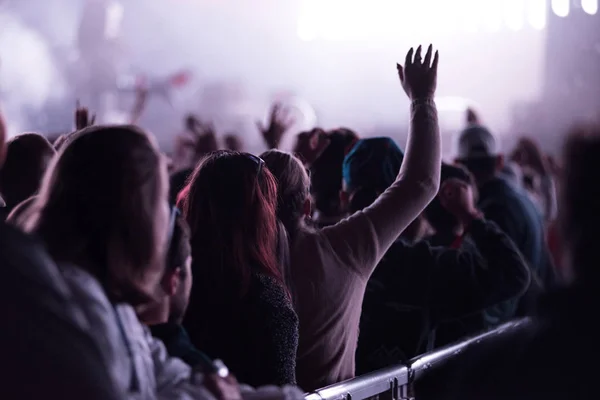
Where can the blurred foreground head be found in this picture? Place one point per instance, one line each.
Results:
(580, 203)
(103, 207)
(27, 157)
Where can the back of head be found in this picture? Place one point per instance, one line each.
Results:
(230, 208)
(439, 218)
(369, 169)
(326, 172)
(293, 185)
(580, 202)
(103, 207)
(27, 157)
(477, 149)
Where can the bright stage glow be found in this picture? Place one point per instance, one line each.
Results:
(536, 12)
(390, 19)
(590, 6)
(514, 14)
(561, 7)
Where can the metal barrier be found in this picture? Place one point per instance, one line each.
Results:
(395, 382)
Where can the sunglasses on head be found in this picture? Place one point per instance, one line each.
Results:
(258, 161)
(259, 166)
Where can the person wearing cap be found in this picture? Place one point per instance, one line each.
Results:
(416, 287)
(552, 356)
(506, 205)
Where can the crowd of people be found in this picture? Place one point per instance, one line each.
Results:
(219, 274)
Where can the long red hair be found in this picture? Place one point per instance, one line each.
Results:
(231, 209)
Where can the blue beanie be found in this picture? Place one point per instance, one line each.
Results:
(372, 163)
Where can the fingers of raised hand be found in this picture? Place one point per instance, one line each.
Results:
(427, 60)
(400, 72)
(275, 110)
(418, 57)
(409, 58)
(436, 58)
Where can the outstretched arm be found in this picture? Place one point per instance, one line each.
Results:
(363, 239)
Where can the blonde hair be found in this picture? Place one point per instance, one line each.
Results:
(293, 187)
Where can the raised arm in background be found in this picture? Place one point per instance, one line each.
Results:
(362, 240)
(280, 121)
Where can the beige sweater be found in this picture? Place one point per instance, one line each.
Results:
(330, 267)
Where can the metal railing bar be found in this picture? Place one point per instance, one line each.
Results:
(381, 381)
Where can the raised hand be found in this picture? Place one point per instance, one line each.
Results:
(141, 98)
(199, 128)
(280, 122)
(310, 145)
(457, 197)
(529, 154)
(418, 76)
(82, 117)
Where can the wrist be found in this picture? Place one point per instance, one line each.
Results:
(419, 100)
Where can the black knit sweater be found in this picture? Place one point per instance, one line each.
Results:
(256, 337)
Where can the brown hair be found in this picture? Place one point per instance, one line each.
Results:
(27, 157)
(230, 208)
(293, 185)
(97, 208)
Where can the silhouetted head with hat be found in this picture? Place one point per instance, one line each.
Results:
(477, 150)
(368, 170)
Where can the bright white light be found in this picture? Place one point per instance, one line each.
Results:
(590, 6)
(513, 14)
(309, 20)
(393, 19)
(561, 7)
(471, 13)
(451, 103)
(536, 11)
(114, 16)
(29, 76)
(492, 15)
(307, 29)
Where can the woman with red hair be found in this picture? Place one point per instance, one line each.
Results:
(240, 309)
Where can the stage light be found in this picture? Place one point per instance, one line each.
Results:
(492, 16)
(561, 7)
(537, 13)
(513, 14)
(590, 6)
(307, 29)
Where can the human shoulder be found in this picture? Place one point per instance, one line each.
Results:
(270, 291)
